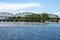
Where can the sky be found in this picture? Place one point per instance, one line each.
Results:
(37, 6)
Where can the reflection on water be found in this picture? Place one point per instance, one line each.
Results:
(29, 31)
(24, 23)
(18, 23)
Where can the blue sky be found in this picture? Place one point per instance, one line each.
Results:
(47, 6)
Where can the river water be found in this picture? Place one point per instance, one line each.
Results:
(29, 31)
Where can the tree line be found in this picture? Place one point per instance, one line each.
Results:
(35, 17)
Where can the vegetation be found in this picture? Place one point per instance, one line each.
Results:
(34, 17)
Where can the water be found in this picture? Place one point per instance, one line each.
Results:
(29, 31)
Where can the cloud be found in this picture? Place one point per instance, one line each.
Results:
(30, 11)
(57, 13)
(12, 6)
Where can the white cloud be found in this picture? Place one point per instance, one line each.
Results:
(30, 11)
(57, 13)
(9, 6)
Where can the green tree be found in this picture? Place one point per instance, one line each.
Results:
(33, 16)
(44, 16)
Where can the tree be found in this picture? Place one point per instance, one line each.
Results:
(44, 16)
(33, 16)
